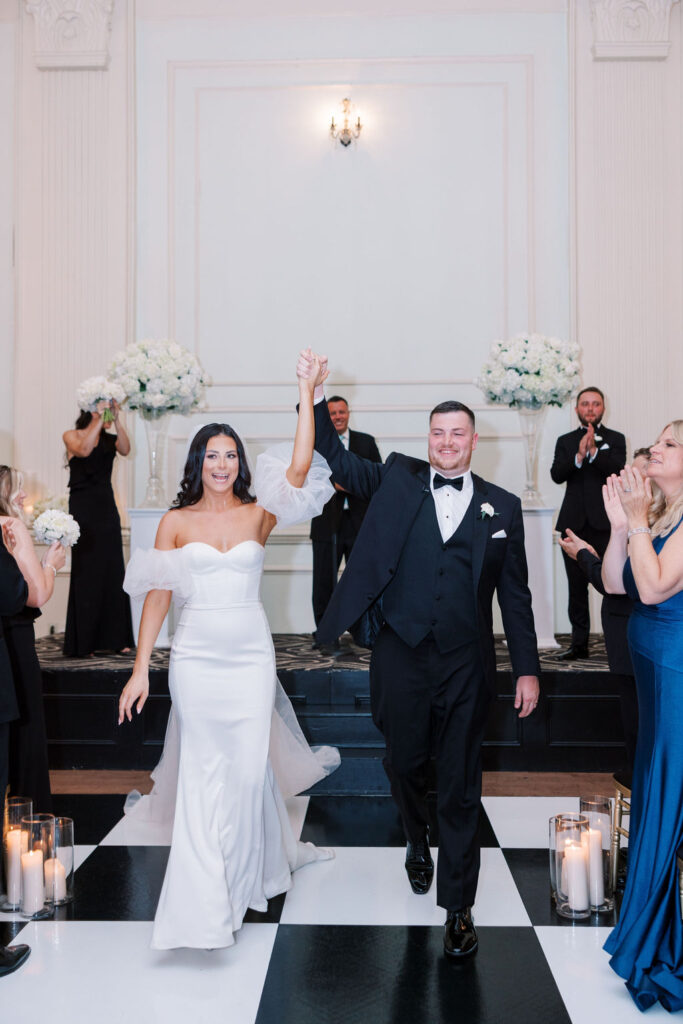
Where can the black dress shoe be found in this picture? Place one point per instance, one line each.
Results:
(573, 653)
(419, 865)
(460, 937)
(12, 957)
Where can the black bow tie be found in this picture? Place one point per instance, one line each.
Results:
(441, 481)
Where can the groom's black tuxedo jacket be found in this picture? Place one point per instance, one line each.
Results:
(396, 490)
(326, 525)
(583, 502)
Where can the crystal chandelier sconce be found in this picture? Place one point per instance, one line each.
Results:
(346, 132)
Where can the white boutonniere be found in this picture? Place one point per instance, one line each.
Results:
(597, 438)
(488, 511)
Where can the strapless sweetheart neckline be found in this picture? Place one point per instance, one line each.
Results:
(204, 544)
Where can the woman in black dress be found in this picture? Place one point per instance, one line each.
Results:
(98, 614)
(28, 764)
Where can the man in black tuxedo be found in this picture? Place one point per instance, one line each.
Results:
(13, 596)
(334, 531)
(583, 460)
(435, 544)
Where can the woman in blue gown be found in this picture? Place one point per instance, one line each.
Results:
(645, 559)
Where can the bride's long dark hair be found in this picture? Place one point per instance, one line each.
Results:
(191, 487)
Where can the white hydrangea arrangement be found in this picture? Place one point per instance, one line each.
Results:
(94, 390)
(54, 524)
(159, 376)
(531, 370)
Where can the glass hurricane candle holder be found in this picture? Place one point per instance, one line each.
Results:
(59, 869)
(39, 833)
(598, 810)
(16, 808)
(571, 866)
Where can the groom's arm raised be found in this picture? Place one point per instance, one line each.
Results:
(356, 475)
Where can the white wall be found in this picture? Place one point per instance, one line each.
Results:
(7, 100)
(403, 257)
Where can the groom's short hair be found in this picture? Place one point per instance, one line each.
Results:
(452, 407)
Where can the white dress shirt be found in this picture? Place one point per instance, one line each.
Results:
(344, 438)
(450, 504)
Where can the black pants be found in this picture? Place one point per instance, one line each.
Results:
(579, 614)
(628, 703)
(4, 771)
(424, 701)
(327, 557)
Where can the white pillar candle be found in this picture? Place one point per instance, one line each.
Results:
(577, 877)
(33, 889)
(593, 845)
(55, 880)
(16, 843)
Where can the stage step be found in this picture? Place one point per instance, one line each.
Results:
(577, 726)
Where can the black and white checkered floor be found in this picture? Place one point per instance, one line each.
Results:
(348, 943)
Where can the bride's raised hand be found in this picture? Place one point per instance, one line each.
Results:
(613, 507)
(136, 689)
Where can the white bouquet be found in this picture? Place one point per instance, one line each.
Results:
(94, 390)
(56, 525)
(531, 370)
(158, 377)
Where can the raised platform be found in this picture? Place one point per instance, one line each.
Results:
(576, 727)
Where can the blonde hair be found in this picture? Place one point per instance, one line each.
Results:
(11, 481)
(662, 516)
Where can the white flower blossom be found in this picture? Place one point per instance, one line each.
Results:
(159, 376)
(531, 370)
(54, 524)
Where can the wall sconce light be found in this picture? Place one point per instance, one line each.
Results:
(347, 132)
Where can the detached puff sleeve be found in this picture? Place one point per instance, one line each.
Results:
(153, 569)
(274, 492)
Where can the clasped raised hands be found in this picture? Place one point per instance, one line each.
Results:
(311, 369)
(587, 444)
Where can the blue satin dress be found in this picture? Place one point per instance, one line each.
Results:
(647, 943)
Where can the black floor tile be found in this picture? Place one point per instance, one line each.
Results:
(9, 932)
(530, 870)
(370, 821)
(117, 883)
(123, 883)
(94, 815)
(388, 975)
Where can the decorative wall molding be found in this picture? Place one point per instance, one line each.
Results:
(71, 34)
(631, 29)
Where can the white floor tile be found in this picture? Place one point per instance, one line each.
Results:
(589, 987)
(368, 886)
(131, 832)
(522, 821)
(82, 971)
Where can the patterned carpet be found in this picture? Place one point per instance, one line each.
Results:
(294, 651)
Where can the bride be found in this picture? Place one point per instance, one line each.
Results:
(233, 747)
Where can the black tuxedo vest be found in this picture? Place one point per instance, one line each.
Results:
(432, 589)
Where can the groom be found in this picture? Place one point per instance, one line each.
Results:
(435, 544)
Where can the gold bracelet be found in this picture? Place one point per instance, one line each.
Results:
(638, 529)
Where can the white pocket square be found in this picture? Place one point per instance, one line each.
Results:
(603, 447)
(498, 535)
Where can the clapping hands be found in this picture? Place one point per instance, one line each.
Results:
(587, 444)
(627, 498)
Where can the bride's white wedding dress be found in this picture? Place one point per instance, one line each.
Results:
(233, 747)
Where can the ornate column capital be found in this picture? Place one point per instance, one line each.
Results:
(71, 34)
(631, 29)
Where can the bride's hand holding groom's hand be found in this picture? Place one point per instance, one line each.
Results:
(312, 369)
(136, 689)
